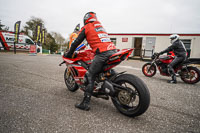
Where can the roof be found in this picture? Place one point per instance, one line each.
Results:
(153, 34)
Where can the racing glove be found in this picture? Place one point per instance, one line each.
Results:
(68, 55)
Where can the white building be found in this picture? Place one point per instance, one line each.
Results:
(146, 44)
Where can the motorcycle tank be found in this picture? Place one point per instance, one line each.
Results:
(166, 59)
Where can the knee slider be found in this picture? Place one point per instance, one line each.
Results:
(88, 78)
(88, 75)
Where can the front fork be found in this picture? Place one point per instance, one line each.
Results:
(68, 71)
(152, 63)
(70, 75)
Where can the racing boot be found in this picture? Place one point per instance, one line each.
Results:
(84, 105)
(173, 81)
(173, 75)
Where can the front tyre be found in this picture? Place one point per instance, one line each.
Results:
(149, 69)
(69, 81)
(135, 99)
(191, 75)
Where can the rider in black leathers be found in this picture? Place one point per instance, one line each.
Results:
(180, 55)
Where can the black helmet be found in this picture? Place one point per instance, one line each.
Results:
(77, 28)
(89, 17)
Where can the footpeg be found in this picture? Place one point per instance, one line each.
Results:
(100, 95)
(105, 97)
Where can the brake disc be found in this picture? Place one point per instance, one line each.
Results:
(124, 97)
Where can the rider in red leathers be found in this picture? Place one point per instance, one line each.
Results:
(100, 44)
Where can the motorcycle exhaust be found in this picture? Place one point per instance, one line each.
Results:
(109, 89)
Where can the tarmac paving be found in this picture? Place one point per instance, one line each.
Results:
(34, 99)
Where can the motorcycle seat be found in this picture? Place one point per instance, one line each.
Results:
(165, 57)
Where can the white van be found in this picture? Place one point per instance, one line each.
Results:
(7, 42)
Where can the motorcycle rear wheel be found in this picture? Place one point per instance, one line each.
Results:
(191, 76)
(135, 100)
(151, 72)
(69, 81)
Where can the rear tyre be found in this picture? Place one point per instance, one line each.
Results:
(69, 81)
(147, 72)
(191, 76)
(133, 101)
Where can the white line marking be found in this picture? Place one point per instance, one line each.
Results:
(129, 67)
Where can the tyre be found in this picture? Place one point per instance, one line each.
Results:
(191, 75)
(69, 81)
(135, 99)
(147, 72)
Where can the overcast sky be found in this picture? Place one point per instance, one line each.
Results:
(117, 16)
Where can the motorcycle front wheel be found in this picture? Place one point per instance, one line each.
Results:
(149, 69)
(135, 99)
(69, 81)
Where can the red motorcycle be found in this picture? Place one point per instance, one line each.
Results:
(189, 74)
(128, 93)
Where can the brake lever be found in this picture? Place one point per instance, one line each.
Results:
(61, 63)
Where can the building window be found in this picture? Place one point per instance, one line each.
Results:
(187, 43)
(125, 39)
(114, 40)
(28, 41)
